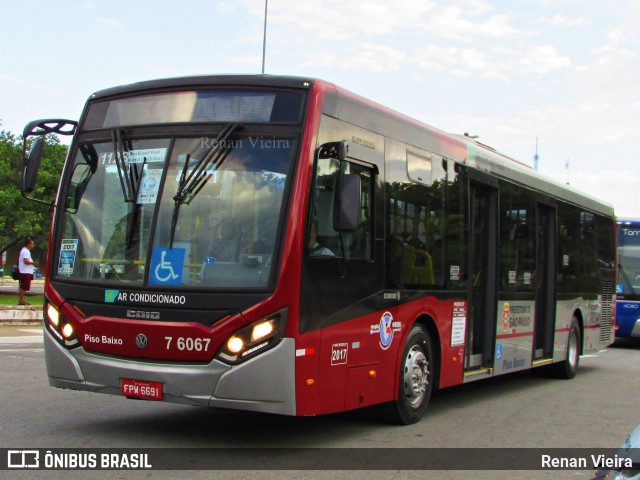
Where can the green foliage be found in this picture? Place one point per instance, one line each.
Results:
(20, 217)
(10, 299)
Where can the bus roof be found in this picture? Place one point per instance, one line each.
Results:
(353, 108)
(208, 80)
(460, 148)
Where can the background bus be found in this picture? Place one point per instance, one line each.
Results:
(628, 287)
(185, 266)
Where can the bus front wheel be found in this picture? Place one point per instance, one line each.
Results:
(416, 379)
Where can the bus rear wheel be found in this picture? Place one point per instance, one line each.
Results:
(569, 366)
(416, 379)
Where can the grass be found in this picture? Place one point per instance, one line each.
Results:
(12, 299)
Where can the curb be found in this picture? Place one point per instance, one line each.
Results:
(21, 315)
(18, 315)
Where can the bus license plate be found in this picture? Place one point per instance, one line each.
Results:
(141, 389)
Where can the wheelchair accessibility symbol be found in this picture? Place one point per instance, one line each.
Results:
(166, 266)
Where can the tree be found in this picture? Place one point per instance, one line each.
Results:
(20, 217)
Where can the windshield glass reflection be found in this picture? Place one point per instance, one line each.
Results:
(222, 235)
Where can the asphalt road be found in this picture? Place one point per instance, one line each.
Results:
(597, 409)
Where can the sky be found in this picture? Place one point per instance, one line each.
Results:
(564, 73)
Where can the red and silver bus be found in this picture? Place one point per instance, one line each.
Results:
(282, 245)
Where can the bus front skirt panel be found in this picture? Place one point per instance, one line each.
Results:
(263, 384)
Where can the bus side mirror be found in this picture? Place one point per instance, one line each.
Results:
(345, 217)
(31, 160)
(343, 150)
(32, 165)
(347, 200)
(337, 150)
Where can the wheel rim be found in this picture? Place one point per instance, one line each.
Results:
(416, 376)
(573, 349)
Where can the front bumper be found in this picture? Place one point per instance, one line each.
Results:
(265, 383)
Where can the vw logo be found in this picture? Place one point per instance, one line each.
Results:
(141, 340)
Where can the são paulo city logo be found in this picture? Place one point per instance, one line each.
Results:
(386, 328)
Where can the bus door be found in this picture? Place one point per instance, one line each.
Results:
(483, 264)
(342, 271)
(545, 278)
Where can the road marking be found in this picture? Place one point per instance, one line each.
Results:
(31, 330)
(27, 339)
(2, 350)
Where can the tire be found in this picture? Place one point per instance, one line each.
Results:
(568, 368)
(416, 380)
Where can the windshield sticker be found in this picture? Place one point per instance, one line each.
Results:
(166, 266)
(145, 155)
(68, 250)
(458, 324)
(110, 296)
(386, 329)
(454, 273)
(143, 298)
(149, 186)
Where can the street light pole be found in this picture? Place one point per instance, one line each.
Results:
(264, 38)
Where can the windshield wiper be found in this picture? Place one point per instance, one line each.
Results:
(127, 176)
(130, 180)
(190, 185)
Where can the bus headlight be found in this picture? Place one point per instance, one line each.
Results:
(263, 330)
(235, 345)
(60, 327)
(53, 316)
(253, 339)
(67, 331)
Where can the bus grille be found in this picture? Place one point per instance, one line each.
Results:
(606, 312)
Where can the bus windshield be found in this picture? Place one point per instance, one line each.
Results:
(629, 259)
(127, 217)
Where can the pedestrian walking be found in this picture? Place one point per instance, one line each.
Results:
(26, 265)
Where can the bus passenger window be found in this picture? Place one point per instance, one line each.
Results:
(415, 225)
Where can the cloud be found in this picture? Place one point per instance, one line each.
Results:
(563, 21)
(542, 59)
(108, 22)
(226, 7)
(453, 23)
(500, 63)
(368, 57)
(332, 20)
(462, 20)
(617, 186)
(462, 38)
(613, 74)
(584, 124)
